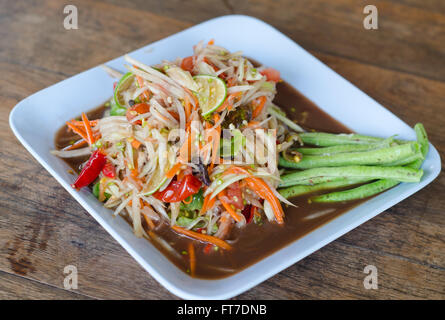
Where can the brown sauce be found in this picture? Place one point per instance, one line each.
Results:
(254, 242)
(65, 138)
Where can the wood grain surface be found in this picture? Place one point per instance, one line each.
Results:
(401, 65)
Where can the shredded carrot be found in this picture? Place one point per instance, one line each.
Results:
(215, 148)
(184, 151)
(145, 94)
(93, 123)
(211, 64)
(149, 221)
(208, 204)
(130, 203)
(204, 205)
(211, 203)
(231, 82)
(146, 217)
(253, 123)
(76, 145)
(174, 114)
(192, 259)
(229, 209)
(138, 183)
(192, 95)
(203, 237)
(134, 173)
(205, 149)
(163, 117)
(171, 173)
(187, 108)
(136, 143)
(208, 139)
(77, 130)
(228, 103)
(262, 190)
(258, 105)
(88, 130)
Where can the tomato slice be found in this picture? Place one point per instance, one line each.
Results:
(136, 110)
(187, 64)
(271, 74)
(235, 195)
(179, 190)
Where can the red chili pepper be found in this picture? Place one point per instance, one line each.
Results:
(91, 170)
(109, 170)
(179, 190)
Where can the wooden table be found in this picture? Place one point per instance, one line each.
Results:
(401, 65)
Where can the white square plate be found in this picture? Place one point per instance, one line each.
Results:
(262, 42)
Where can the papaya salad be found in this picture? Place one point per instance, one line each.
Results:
(190, 149)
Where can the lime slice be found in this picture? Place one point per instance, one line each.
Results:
(212, 92)
(124, 83)
(157, 180)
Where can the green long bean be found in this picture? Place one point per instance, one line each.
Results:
(322, 139)
(310, 176)
(299, 190)
(346, 148)
(379, 186)
(404, 154)
(311, 180)
(422, 139)
(361, 192)
(407, 160)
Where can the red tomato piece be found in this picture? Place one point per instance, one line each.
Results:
(271, 74)
(235, 195)
(179, 190)
(187, 64)
(136, 110)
